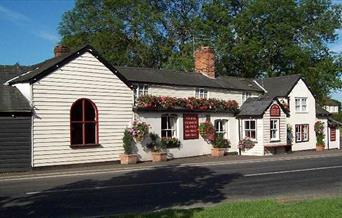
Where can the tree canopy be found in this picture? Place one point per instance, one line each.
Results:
(251, 38)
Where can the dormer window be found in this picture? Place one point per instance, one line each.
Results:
(140, 90)
(201, 93)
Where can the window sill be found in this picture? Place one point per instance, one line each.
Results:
(275, 140)
(302, 112)
(302, 141)
(80, 146)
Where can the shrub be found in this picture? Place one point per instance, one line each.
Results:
(319, 130)
(127, 142)
(220, 141)
(155, 145)
(170, 142)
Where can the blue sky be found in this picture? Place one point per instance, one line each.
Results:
(29, 31)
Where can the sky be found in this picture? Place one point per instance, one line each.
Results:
(29, 31)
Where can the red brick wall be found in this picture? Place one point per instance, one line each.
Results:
(205, 61)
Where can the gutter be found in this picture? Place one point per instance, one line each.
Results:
(260, 86)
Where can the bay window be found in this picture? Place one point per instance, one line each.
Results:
(169, 125)
(250, 129)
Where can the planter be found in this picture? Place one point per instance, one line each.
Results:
(159, 156)
(320, 147)
(129, 158)
(217, 152)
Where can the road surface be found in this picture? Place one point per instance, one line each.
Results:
(155, 189)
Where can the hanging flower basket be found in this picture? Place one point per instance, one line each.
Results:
(246, 144)
(207, 131)
(139, 130)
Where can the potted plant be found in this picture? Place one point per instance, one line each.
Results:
(246, 144)
(220, 144)
(170, 142)
(139, 130)
(157, 148)
(128, 157)
(319, 130)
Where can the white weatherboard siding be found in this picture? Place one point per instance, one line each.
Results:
(84, 77)
(282, 129)
(191, 147)
(301, 90)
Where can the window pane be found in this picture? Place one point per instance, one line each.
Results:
(247, 125)
(247, 134)
(76, 134)
(253, 134)
(163, 122)
(89, 111)
(76, 111)
(252, 124)
(90, 133)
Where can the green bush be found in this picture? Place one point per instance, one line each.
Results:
(170, 142)
(127, 142)
(220, 141)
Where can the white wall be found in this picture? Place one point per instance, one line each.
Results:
(335, 144)
(282, 128)
(84, 77)
(192, 147)
(258, 149)
(25, 89)
(301, 90)
(184, 92)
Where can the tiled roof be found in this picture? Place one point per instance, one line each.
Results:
(11, 100)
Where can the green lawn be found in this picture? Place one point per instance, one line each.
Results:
(331, 207)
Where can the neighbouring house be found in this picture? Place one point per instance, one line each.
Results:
(332, 105)
(74, 107)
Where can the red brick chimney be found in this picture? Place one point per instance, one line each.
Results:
(61, 50)
(205, 61)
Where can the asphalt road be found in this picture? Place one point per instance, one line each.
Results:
(113, 193)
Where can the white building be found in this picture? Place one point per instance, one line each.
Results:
(81, 105)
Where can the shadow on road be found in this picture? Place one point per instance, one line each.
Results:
(131, 192)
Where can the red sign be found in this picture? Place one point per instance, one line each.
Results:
(332, 134)
(190, 126)
(275, 111)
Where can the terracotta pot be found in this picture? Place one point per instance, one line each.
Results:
(320, 147)
(159, 156)
(129, 158)
(217, 152)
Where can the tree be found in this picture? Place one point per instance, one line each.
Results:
(251, 38)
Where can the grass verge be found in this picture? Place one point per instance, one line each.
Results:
(330, 207)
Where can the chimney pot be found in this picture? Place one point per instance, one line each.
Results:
(61, 50)
(205, 61)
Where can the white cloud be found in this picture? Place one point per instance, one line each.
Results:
(13, 16)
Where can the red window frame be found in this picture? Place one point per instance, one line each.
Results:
(275, 111)
(332, 134)
(84, 121)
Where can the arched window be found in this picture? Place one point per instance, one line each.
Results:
(83, 123)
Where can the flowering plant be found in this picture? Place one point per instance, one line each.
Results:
(220, 141)
(170, 142)
(139, 130)
(207, 131)
(246, 143)
(191, 103)
(319, 130)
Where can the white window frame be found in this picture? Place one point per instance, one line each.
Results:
(302, 132)
(170, 126)
(222, 127)
(274, 129)
(246, 95)
(201, 93)
(250, 129)
(301, 104)
(140, 90)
